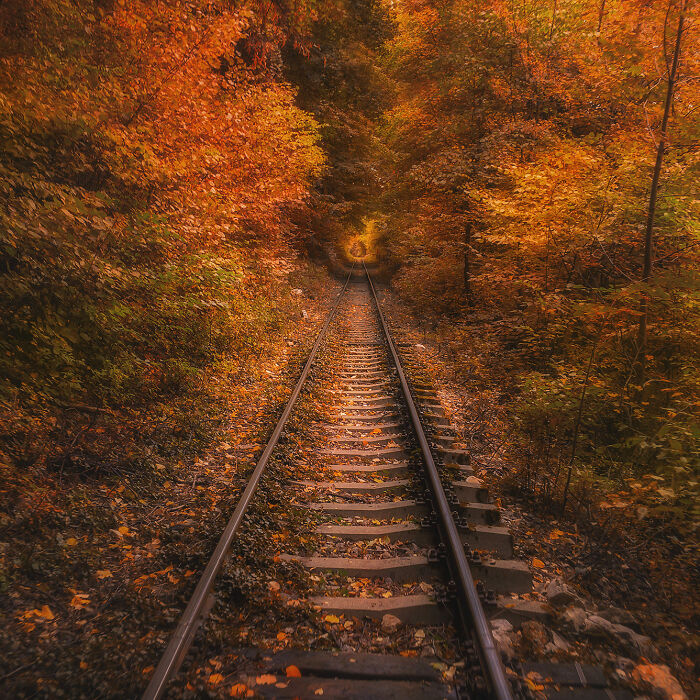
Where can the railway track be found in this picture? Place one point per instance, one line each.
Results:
(393, 559)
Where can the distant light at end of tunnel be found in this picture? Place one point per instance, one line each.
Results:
(358, 249)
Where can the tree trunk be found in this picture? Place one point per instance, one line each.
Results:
(467, 278)
(577, 425)
(649, 234)
(601, 14)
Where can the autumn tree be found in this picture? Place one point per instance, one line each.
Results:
(152, 155)
(528, 125)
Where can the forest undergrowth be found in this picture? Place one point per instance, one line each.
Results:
(619, 546)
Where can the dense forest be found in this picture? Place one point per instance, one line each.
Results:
(180, 180)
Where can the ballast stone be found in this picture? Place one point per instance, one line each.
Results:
(559, 594)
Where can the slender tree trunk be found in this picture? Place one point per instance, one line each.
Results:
(649, 234)
(551, 26)
(601, 14)
(512, 90)
(577, 425)
(467, 274)
(546, 261)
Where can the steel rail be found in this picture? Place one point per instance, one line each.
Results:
(202, 599)
(496, 679)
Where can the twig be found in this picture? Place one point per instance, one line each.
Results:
(17, 670)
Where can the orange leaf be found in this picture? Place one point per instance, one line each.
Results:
(215, 678)
(79, 600)
(45, 612)
(293, 672)
(266, 679)
(239, 690)
(538, 563)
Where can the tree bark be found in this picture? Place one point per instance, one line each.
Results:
(467, 275)
(653, 195)
(601, 14)
(577, 425)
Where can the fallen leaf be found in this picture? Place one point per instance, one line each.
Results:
(79, 601)
(332, 619)
(215, 679)
(293, 672)
(104, 573)
(532, 685)
(538, 563)
(45, 612)
(266, 679)
(318, 691)
(238, 691)
(71, 541)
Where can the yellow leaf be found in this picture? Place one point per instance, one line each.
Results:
(332, 619)
(104, 573)
(123, 530)
(71, 541)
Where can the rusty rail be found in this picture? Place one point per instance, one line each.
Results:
(498, 685)
(202, 599)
